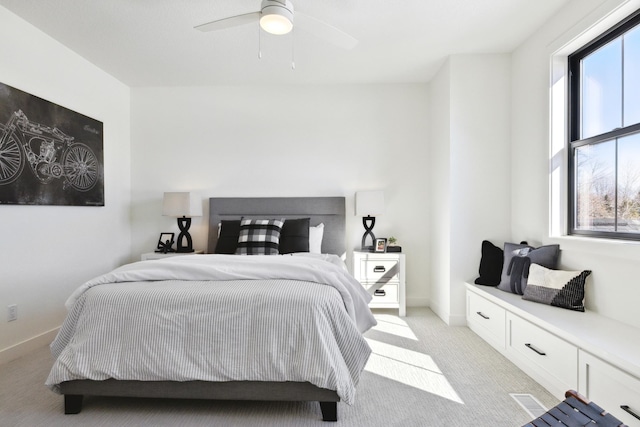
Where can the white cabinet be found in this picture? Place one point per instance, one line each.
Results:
(383, 276)
(550, 360)
(610, 388)
(563, 349)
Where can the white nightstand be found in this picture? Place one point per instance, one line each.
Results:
(383, 276)
(159, 255)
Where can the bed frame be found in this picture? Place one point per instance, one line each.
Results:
(328, 210)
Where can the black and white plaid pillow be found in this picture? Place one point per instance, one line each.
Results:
(259, 236)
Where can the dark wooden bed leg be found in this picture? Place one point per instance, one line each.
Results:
(72, 403)
(329, 411)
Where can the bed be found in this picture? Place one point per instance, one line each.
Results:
(237, 327)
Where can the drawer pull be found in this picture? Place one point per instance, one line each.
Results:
(379, 293)
(629, 411)
(541, 353)
(379, 269)
(479, 313)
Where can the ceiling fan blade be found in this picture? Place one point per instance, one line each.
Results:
(232, 21)
(324, 31)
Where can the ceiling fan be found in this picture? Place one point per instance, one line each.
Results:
(276, 17)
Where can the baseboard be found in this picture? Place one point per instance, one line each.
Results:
(437, 309)
(447, 317)
(25, 347)
(455, 320)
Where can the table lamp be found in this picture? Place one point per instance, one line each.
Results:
(369, 204)
(182, 205)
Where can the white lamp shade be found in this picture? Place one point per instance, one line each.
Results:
(181, 204)
(369, 203)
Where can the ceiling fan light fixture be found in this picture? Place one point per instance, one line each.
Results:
(277, 17)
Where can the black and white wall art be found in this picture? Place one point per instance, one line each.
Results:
(49, 155)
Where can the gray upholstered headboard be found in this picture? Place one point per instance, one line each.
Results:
(327, 210)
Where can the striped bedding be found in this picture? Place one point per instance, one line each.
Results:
(239, 329)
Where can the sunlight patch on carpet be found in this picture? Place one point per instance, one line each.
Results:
(393, 325)
(409, 367)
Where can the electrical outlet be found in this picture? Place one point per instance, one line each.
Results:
(12, 313)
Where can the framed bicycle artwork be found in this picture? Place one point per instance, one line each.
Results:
(49, 155)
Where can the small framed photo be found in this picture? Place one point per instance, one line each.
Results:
(380, 245)
(165, 242)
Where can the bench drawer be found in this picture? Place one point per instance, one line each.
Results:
(486, 319)
(541, 349)
(610, 388)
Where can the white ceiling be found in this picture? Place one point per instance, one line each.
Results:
(153, 42)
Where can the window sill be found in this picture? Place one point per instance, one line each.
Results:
(624, 249)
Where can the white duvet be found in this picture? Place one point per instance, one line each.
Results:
(324, 269)
(218, 318)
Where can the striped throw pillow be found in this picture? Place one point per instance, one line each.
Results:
(259, 236)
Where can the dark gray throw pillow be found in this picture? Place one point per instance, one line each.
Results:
(518, 258)
(490, 264)
(294, 236)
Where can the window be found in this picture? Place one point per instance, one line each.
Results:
(604, 134)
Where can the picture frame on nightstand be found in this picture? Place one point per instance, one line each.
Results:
(165, 242)
(380, 245)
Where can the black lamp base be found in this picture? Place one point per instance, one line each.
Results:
(368, 222)
(184, 243)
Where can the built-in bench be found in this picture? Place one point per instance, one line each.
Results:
(562, 349)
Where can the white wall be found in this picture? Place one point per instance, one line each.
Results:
(286, 141)
(47, 251)
(439, 190)
(613, 289)
(480, 148)
(470, 172)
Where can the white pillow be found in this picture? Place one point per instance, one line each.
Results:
(315, 238)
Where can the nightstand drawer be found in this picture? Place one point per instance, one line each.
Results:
(374, 270)
(385, 294)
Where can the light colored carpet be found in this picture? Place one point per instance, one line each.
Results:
(422, 373)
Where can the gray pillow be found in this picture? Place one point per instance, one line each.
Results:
(518, 258)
